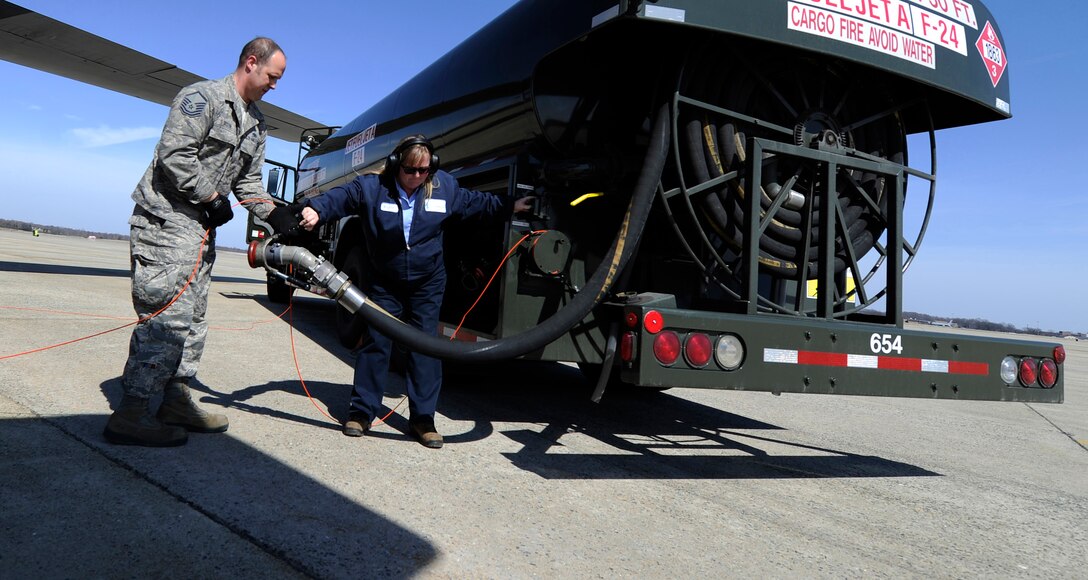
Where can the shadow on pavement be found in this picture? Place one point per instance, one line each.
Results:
(643, 433)
(79, 506)
(640, 433)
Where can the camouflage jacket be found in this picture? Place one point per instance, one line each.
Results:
(212, 142)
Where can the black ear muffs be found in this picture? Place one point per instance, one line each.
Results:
(392, 163)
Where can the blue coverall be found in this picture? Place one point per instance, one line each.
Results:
(405, 277)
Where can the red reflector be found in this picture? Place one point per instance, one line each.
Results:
(1028, 371)
(1059, 354)
(697, 349)
(627, 346)
(667, 347)
(631, 320)
(653, 322)
(1048, 373)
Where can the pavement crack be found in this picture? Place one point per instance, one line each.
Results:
(1059, 429)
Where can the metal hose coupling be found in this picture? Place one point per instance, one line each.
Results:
(312, 269)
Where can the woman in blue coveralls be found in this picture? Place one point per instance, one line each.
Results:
(404, 210)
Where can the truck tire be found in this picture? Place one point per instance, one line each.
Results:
(351, 327)
(278, 291)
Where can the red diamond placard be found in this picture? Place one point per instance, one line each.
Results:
(993, 56)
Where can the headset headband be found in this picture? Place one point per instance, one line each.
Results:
(394, 160)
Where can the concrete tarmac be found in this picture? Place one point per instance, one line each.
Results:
(534, 481)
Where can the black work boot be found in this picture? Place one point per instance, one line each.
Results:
(132, 424)
(179, 409)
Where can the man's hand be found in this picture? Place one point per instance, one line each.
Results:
(285, 220)
(217, 211)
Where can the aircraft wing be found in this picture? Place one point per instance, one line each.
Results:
(33, 40)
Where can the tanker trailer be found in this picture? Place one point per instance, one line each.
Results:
(726, 181)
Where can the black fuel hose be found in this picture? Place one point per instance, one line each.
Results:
(581, 304)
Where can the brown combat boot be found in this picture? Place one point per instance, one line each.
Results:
(132, 424)
(179, 409)
(423, 430)
(357, 425)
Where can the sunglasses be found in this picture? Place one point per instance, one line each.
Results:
(414, 170)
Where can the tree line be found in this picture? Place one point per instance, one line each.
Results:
(56, 230)
(63, 231)
(981, 324)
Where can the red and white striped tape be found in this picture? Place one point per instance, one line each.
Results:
(870, 361)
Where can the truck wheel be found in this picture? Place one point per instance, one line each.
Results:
(351, 327)
(278, 291)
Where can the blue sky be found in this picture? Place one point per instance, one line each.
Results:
(1005, 242)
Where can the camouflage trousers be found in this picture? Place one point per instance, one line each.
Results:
(163, 257)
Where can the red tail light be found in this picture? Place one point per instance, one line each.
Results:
(1059, 354)
(1028, 371)
(627, 346)
(697, 349)
(631, 320)
(667, 347)
(1048, 373)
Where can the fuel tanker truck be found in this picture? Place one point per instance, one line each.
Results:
(721, 194)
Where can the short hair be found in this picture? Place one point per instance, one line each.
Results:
(261, 47)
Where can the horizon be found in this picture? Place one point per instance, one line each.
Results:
(907, 315)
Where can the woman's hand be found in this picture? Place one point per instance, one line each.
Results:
(309, 218)
(524, 204)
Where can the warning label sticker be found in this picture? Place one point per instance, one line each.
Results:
(360, 139)
(910, 30)
(993, 56)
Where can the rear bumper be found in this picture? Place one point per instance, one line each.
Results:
(797, 355)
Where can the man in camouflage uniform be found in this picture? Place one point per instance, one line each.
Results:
(212, 144)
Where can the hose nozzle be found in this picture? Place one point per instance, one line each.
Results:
(273, 255)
